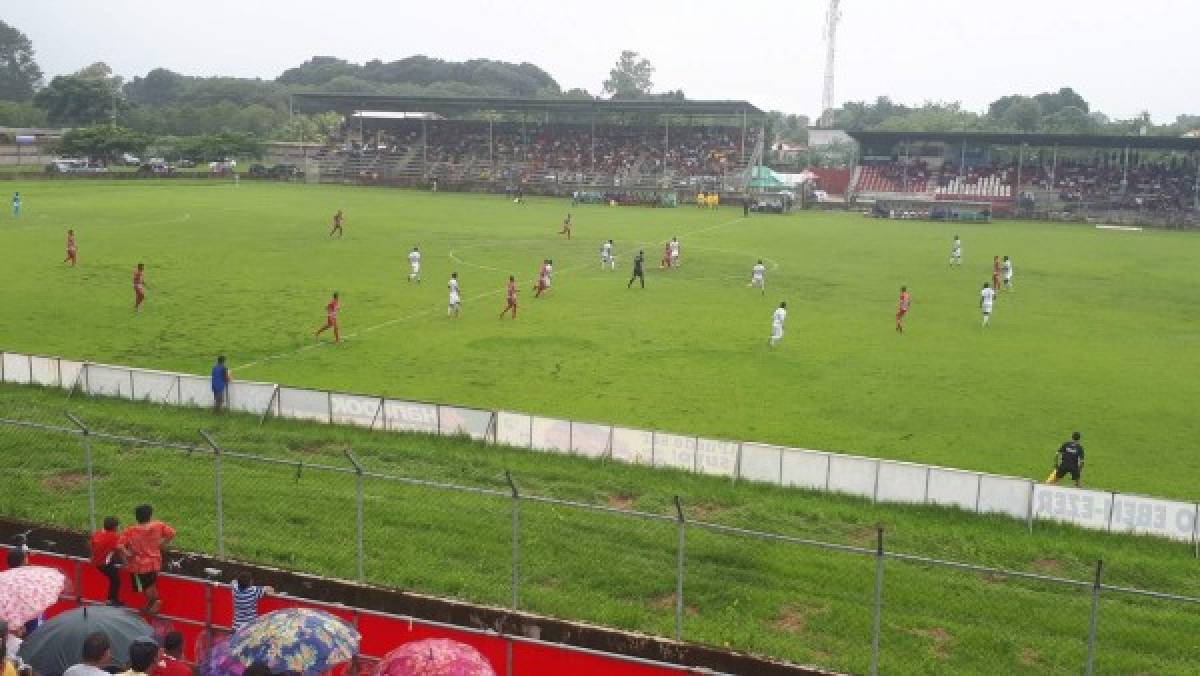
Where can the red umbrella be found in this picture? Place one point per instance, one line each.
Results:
(27, 591)
(434, 657)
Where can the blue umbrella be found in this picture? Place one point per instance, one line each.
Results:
(295, 640)
(58, 643)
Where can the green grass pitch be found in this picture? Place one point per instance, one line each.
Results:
(1100, 334)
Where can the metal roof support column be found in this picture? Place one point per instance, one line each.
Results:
(1196, 187)
(1020, 161)
(743, 134)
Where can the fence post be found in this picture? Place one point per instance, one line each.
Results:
(219, 496)
(358, 503)
(679, 559)
(1091, 647)
(878, 601)
(516, 539)
(91, 479)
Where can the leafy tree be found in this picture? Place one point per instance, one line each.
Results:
(630, 78)
(1024, 115)
(21, 114)
(19, 73)
(318, 70)
(73, 99)
(160, 86)
(213, 147)
(318, 128)
(1069, 120)
(102, 141)
(1053, 102)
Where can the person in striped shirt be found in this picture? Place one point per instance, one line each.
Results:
(245, 599)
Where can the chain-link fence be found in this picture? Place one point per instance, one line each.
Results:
(855, 607)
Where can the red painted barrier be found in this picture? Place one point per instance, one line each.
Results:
(192, 606)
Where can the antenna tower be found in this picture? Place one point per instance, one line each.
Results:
(831, 23)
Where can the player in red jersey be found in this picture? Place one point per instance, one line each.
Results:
(995, 272)
(543, 280)
(512, 298)
(902, 309)
(666, 259)
(139, 287)
(72, 257)
(331, 319)
(566, 229)
(337, 224)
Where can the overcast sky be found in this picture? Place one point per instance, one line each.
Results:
(1123, 57)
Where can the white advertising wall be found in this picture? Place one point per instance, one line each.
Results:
(716, 458)
(513, 429)
(852, 475)
(354, 409)
(195, 391)
(71, 373)
(805, 469)
(410, 416)
(953, 488)
(901, 482)
(635, 447)
(551, 434)
(590, 440)
(760, 462)
(43, 371)
(249, 397)
(155, 386)
(107, 381)
(472, 422)
(1089, 509)
(15, 367)
(1152, 516)
(1004, 495)
(674, 450)
(303, 404)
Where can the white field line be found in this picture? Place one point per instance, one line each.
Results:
(424, 313)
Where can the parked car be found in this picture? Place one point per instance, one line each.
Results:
(258, 171)
(283, 171)
(130, 160)
(156, 169)
(69, 165)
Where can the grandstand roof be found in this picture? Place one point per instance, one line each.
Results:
(464, 104)
(1038, 140)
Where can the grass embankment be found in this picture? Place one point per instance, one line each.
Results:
(787, 601)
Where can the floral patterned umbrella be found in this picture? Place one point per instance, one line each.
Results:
(296, 640)
(217, 661)
(26, 591)
(434, 657)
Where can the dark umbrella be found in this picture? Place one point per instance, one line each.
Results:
(58, 643)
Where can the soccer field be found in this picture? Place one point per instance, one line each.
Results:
(1100, 334)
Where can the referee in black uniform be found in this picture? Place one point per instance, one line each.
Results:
(1069, 460)
(637, 270)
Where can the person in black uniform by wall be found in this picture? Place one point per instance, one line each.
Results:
(1069, 460)
(638, 273)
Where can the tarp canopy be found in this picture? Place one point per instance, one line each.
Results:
(763, 178)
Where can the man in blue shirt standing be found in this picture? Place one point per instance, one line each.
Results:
(220, 383)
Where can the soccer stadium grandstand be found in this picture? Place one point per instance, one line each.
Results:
(1142, 178)
(542, 145)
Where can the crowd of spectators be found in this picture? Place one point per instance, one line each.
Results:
(562, 150)
(1158, 184)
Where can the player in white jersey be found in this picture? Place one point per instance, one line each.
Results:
(674, 252)
(758, 277)
(777, 320)
(414, 263)
(455, 305)
(986, 298)
(956, 252)
(548, 271)
(1007, 274)
(606, 256)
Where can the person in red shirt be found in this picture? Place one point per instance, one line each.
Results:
(107, 556)
(331, 319)
(139, 287)
(72, 257)
(512, 298)
(995, 272)
(170, 659)
(337, 224)
(902, 309)
(541, 285)
(143, 547)
(666, 259)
